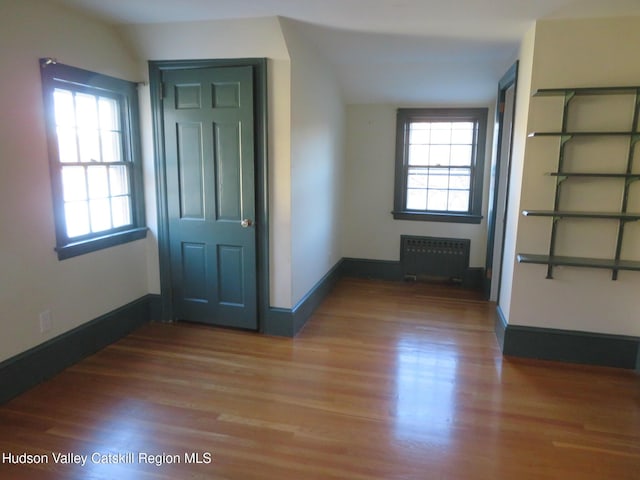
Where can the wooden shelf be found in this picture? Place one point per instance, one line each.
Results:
(583, 134)
(570, 214)
(554, 92)
(594, 175)
(579, 262)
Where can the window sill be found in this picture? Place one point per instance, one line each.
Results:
(86, 246)
(437, 217)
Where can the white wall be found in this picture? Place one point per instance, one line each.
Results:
(258, 37)
(520, 125)
(369, 230)
(31, 277)
(594, 52)
(317, 163)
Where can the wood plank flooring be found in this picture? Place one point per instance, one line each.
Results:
(386, 381)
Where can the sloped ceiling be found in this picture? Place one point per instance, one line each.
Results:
(405, 52)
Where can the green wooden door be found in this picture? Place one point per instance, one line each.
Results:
(209, 149)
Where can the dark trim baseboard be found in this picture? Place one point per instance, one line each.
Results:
(376, 269)
(392, 270)
(29, 368)
(155, 307)
(500, 327)
(284, 322)
(586, 348)
(473, 278)
(278, 322)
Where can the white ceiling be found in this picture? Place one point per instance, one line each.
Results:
(389, 51)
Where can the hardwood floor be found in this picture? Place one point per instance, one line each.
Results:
(386, 381)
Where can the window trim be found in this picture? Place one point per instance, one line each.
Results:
(57, 75)
(408, 115)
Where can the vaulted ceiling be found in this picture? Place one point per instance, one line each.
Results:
(389, 51)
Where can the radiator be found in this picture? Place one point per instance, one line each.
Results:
(444, 258)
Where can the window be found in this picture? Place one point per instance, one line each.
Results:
(440, 164)
(96, 178)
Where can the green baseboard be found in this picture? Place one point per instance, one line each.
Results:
(375, 269)
(586, 348)
(283, 322)
(29, 368)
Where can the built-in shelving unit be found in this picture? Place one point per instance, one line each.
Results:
(627, 177)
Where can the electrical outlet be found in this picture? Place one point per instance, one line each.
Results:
(45, 321)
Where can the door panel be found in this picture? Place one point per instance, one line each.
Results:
(209, 148)
(194, 260)
(228, 171)
(231, 275)
(190, 170)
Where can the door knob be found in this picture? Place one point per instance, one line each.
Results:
(246, 223)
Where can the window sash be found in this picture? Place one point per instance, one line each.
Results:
(439, 164)
(111, 189)
(89, 207)
(453, 182)
(444, 136)
(96, 184)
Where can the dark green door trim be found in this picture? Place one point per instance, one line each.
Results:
(509, 79)
(156, 68)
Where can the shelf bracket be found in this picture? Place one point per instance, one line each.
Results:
(564, 138)
(568, 96)
(549, 272)
(561, 178)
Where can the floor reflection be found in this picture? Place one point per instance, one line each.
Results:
(122, 436)
(425, 390)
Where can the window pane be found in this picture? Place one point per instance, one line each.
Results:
(63, 106)
(109, 118)
(437, 200)
(89, 145)
(463, 125)
(441, 133)
(100, 214)
(87, 110)
(111, 136)
(439, 178)
(87, 116)
(74, 184)
(462, 134)
(419, 155)
(461, 155)
(458, 201)
(439, 155)
(67, 146)
(418, 180)
(121, 211)
(111, 142)
(416, 199)
(419, 133)
(460, 179)
(98, 182)
(119, 180)
(77, 218)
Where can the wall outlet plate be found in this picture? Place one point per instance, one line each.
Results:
(45, 321)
